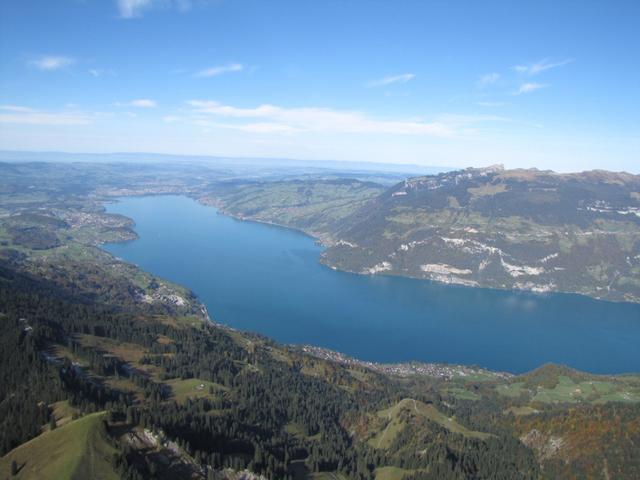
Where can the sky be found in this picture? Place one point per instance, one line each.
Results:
(545, 84)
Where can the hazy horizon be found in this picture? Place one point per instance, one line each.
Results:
(546, 85)
(139, 157)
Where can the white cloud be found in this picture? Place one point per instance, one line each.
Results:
(541, 66)
(258, 127)
(135, 8)
(16, 114)
(139, 103)
(52, 62)
(143, 103)
(488, 79)
(530, 87)
(275, 119)
(219, 70)
(381, 82)
(15, 108)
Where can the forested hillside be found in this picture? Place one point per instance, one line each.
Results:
(203, 398)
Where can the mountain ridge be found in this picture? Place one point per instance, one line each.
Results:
(510, 229)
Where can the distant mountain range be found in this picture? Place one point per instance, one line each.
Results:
(219, 161)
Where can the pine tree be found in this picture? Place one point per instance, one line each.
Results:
(130, 415)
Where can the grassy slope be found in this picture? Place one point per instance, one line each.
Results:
(75, 450)
(63, 413)
(404, 411)
(181, 390)
(312, 206)
(553, 384)
(392, 473)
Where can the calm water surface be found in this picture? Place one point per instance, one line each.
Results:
(267, 279)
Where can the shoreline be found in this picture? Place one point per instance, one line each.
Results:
(408, 368)
(325, 244)
(444, 371)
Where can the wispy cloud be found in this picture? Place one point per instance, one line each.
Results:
(256, 127)
(274, 119)
(490, 104)
(488, 79)
(17, 114)
(220, 70)
(51, 62)
(541, 66)
(99, 72)
(136, 8)
(139, 103)
(133, 8)
(381, 82)
(530, 87)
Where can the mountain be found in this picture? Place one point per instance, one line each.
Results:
(489, 227)
(109, 371)
(316, 206)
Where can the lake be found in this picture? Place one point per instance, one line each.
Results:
(267, 279)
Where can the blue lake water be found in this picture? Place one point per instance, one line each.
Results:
(268, 280)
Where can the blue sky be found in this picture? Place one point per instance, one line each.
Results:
(544, 84)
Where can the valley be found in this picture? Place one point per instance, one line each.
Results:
(128, 364)
(319, 240)
(384, 319)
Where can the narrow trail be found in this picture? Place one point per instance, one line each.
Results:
(386, 428)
